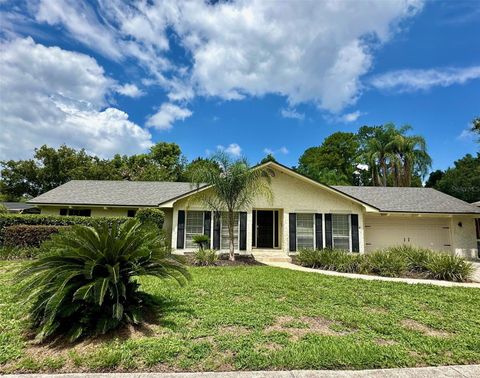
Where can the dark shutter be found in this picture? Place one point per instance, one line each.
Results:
(292, 231)
(254, 228)
(181, 229)
(63, 211)
(216, 231)
(328, 231)
(318, 231)
(243, 232)
(207, 225)
(355, 243)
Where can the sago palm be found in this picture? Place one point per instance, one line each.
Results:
(86, 283)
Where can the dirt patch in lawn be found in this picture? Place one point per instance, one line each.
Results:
(299, 327)
(385, 342)
(413, 325)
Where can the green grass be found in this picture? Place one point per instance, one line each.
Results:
(249, 318)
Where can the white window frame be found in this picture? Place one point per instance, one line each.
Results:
(349, 221)
(236, 237)
(313, 230)
(187, 234)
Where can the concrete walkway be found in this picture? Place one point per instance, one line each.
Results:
(367, 277)
(470, 371)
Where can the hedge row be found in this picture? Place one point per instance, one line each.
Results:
(7, 220)
(28, 235)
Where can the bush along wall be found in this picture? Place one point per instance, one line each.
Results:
(7, 220)
(151, 215)
(28, 235)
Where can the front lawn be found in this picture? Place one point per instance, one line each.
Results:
(256, 317)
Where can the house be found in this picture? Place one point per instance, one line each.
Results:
(302, 214)
(20, 208)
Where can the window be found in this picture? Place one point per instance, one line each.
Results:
(305, 231)
(224, 240)
(76, 212)
(341, 231)
(131, 213)
(193, 226)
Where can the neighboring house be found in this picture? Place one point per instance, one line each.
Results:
(302, 214)
(20, 208)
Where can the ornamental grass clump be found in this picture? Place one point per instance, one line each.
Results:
(449, 267)
(87, 282)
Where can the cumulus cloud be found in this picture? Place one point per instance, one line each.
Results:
(167, 115)
(233, 149)
(309, 51)
(411, 80)
(351, 117)
(129, 90)
(292, 113)
(53, 96)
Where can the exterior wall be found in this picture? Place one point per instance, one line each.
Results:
(290, 195)
(167, 223)
(464, 238)
(96, 211)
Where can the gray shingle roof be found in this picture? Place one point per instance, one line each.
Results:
(17, 205)
(114, 193)
(476, 203)
(415, 200)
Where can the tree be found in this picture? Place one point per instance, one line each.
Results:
(87, 283)
(462, 180)
(393, 157)
(268, 158)
(434, 178)
(197, 164)
(233, 188)
(335, 159)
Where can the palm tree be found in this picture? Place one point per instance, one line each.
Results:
(231, 189)
(87, 282)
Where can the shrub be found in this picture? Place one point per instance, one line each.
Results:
(87, 283)
(384, 263)
(27, 235)
(416, 258)
(53, 220)
(308, 257)
(205, 257)
(329, 259)
(3, 209)
(151, 215)
(201, 240)
(448, 267)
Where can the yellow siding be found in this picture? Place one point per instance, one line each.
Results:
(290, 195)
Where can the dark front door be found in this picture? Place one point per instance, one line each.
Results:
(265, 229)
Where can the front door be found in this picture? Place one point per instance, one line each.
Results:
(265, 224)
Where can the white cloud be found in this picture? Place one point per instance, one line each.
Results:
(292, 113)
(129, 90)
(351, 117)
(467, 134)
(167, 115)
(282, 150)
(233, 149)
(309, 51)
(416, 80)
(53, 96)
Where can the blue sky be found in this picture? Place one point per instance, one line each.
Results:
(248, 77)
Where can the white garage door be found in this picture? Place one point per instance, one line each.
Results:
(381, 232)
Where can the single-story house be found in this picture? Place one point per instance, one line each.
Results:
(20, 208)
(302, 214)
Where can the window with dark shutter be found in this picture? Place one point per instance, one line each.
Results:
(216, 230)
(207, 225)
(131, 213)
(63, 211)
